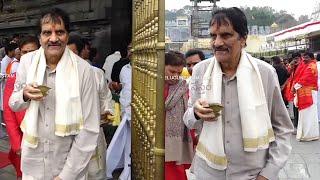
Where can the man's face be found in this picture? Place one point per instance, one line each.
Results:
(226, 42)
(53, 39)
(295, 61)
(73, 48)
(29, 47)
(11, 53)
(172, 74)
(85, 52)
(192, 61)
(17, 54)
(306, 58)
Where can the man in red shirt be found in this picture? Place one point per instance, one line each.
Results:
(305, 88)
(14, 119)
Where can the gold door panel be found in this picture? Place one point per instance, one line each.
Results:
(148, 44)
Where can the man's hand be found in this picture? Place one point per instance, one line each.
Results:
(261, 178)
(201, 108)
(104, 117)
(57, 178)
(115, 86)
(31, 92)
(18, 152)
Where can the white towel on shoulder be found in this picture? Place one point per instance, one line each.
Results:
(68, 111)
(255, 120)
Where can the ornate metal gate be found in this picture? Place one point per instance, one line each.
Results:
(147, 90)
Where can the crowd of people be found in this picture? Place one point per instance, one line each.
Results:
(299, 82)
(230, 116)
(56, 103)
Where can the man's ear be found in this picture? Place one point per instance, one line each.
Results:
(68, 37)
(243, 41)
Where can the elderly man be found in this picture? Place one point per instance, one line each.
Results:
(61, 126)
(250, 137)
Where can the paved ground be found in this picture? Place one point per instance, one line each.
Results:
(303, 164)
(7, 173)
(304, 161)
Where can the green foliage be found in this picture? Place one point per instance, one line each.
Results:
(303, 19)
(270, 54)
(260, 16)
(170, 15)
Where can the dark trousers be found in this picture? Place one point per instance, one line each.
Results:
(296, 115)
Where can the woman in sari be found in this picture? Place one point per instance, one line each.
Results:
(178, 141)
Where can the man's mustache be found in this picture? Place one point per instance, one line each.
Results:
(220, 48)
(54, 44)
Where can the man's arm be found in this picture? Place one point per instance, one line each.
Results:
(189, 118)
(125, 79)
(3, 65)
(280, 149)
(105, 96)
(85, 142)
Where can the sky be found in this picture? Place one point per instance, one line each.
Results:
(294, 7)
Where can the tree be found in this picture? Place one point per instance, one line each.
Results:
(303, 19)
(261, 16)
(188, 9)
(316, 12)
(180, 12)
(170, 15)
(285, 20)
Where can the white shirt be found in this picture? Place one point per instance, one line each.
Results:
(105, 97)
(108, 64)
(4, 64)
(2, 52)
(125, 93)
(14, 66)
(119, 150)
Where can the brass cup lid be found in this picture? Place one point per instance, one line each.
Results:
(216, 107)
(44, 89)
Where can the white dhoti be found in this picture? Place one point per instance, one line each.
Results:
(308, 125)
(27, 177)
(119, 150)
(97, 164)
